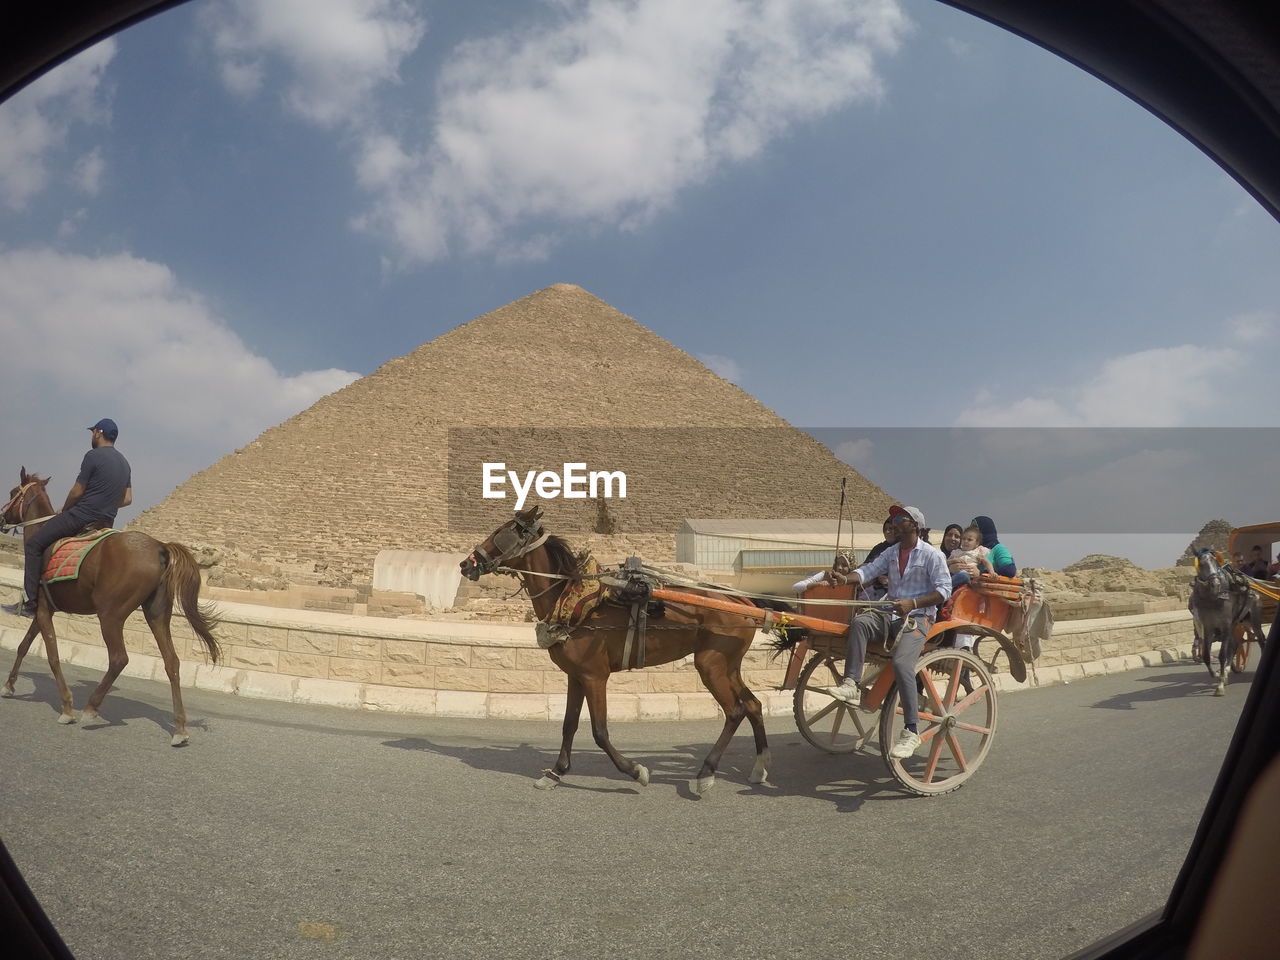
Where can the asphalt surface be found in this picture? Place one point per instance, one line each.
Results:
(304, 832)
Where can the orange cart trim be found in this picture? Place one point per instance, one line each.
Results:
(759, 614)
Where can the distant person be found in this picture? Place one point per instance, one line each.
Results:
(1257, 566)
(964, 563)
(1274, 569)
(1237, 561)
(1001, 559)
(969, 559)
(951, 534)
(841, 565)
(950, 538)
(103, 486)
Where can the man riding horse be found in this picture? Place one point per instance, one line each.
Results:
(103, 486)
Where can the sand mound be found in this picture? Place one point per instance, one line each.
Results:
(1115, 579)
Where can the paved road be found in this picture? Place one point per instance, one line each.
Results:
(291, 832)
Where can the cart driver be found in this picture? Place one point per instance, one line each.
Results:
(918, 583)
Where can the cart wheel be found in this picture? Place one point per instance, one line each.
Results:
(824, 721)
(956, 728)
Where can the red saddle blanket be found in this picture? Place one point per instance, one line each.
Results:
(66, 555)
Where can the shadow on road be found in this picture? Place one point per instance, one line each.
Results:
(117, 710)
(1181, 680)
(847, 780)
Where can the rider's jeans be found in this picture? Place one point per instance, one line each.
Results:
(876, 624)
(59, 526)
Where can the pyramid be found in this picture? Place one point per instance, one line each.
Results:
(1214, 535)
(394, 460)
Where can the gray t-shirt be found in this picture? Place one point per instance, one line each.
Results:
(105, 475)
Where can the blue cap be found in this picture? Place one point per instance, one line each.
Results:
(108, 428)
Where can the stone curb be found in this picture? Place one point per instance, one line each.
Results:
(506, 706)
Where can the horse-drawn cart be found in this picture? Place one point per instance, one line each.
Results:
(958, 703)
(957, 692)
(1243, 540)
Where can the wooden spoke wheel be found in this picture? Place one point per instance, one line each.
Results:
(828, 723)
(956, 727)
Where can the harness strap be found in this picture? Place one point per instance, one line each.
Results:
(631, 635)
(641, 623)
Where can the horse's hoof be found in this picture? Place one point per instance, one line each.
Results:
(179, 740)
(642, 775)
(760, 771)
(6, 691)
(702, 785)
(547, 781)
(1219, 691)
(88, 718)
(66, 718)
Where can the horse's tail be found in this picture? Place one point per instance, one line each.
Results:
(789, 637)
(182, 577)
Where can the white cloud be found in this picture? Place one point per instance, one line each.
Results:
(88, 172)
(119, 336)
(70, 224)
(35, 122)
(1253, 327)
(723, 366)
(1160, 387)
(606, 116)
(337, 51)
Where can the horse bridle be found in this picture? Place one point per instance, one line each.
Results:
(511, 544)
(20, 498)
(1211, 576)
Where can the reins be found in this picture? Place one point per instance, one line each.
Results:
(675, 579)
(20, 499)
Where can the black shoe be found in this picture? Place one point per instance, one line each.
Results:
(23, 608)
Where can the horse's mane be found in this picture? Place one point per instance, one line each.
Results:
(563, 559)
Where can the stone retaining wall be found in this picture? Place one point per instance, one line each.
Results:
(476, 669)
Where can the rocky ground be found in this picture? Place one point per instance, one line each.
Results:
(1112, 578)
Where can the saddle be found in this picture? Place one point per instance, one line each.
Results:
(63, 559)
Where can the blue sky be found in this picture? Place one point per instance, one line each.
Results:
(236, 207)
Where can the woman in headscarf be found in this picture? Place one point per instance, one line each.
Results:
(1000, 557)
(950, 541)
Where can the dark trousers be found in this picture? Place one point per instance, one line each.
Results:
(876, 624)
(41, 538)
